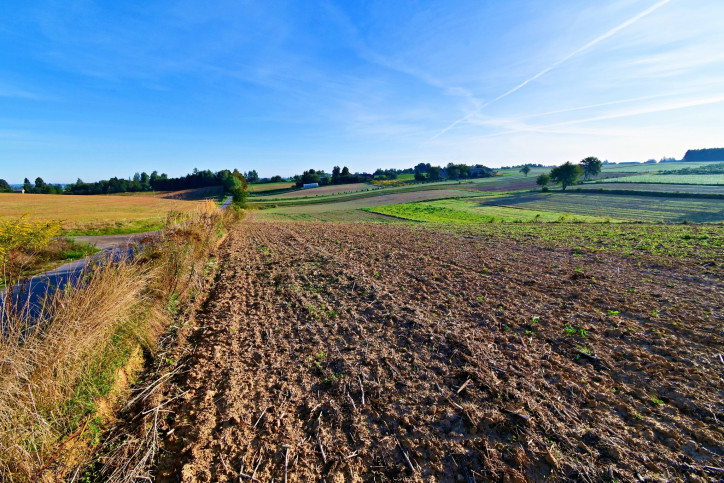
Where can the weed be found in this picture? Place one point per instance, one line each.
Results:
(572, 330)
(172, 305)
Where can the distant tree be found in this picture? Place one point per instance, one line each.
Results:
(423, 167)
(525, 170)
(650, 161)
(591, 166)
(276, 179)
(385, 174)
(241, 178)
(39, 184)
(566, 174)
(252, 176)
(308, 177)
(434, 173)
(419, 176)
(239, 191)
(345, 171)
(543, 180)
(5, 187)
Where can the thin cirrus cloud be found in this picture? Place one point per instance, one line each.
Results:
(576, 52)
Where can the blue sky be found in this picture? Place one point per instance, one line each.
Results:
(99, 89)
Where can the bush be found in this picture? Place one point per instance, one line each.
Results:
(20, 240)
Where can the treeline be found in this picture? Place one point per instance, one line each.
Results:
(140, 182)
(422, 172)
(338, 176)
(5, 187)
(427, 172)
(709, 154)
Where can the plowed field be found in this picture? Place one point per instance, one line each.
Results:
(352, 352)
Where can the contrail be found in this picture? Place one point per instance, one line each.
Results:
(590, 44)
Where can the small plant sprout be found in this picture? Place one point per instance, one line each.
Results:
(656, 401)
(535, 320)
(611, 312)
(571, 330)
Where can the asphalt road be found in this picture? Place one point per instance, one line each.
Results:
(31, 293)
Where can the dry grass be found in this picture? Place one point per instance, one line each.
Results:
(95, 214)
(55, 368)
(261, 187)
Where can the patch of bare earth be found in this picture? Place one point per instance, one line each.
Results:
(350, 352)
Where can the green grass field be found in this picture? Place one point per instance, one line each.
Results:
(472, 211)
(652, 167)
(665, 243)
(703, 179)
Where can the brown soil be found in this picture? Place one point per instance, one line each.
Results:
(343, 352)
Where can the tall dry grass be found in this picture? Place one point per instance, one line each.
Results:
(56, 366)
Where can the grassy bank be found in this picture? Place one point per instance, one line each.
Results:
(57, 371)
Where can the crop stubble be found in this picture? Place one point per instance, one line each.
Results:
(360, 352)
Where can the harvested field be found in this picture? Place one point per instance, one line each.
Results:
(261, 187)
(624, 207)
(95, 214)
(324, 190)
(659, 188)
(517, 182)
(195, 194)
(351, 352)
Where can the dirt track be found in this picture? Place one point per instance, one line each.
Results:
(366, 352)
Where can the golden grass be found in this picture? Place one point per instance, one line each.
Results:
(96, 214)
(54, 368)
(261, 187)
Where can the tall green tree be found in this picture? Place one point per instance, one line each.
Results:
(239, 192)
(543, 180)
(566, 174)
(591, 166)
(434, 173)
(5, 187)
(525, 170)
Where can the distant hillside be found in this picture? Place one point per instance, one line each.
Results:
(711, 154)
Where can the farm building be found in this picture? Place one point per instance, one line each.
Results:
(310, 185)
